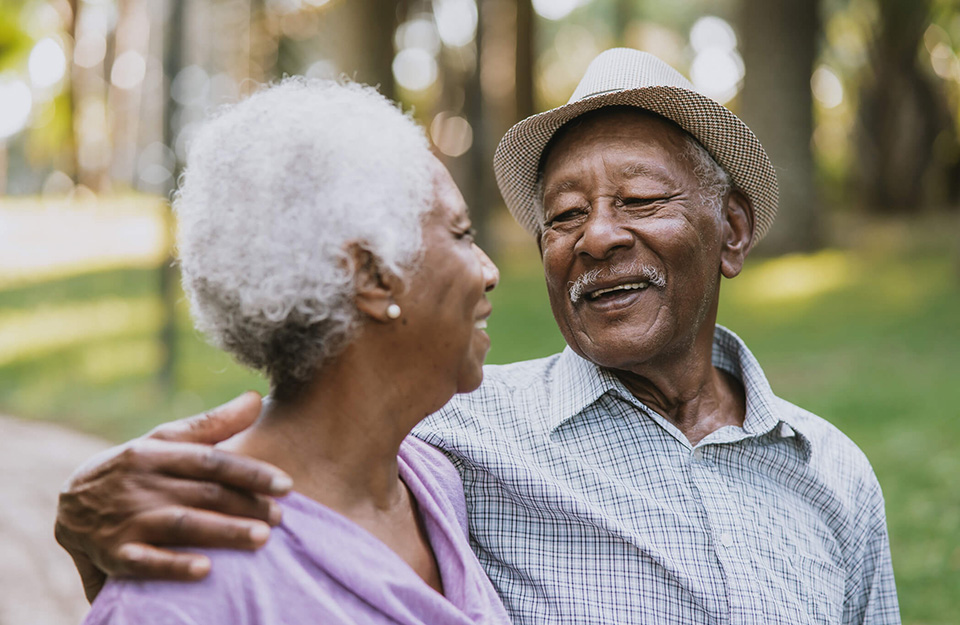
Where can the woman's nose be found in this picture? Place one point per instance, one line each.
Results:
(491, 275)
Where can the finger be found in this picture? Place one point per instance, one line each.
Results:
(191, 527)
(203, 462)
(142, 560)
(216, 497)
(214, 425)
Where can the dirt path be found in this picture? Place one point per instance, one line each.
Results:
(38, 584)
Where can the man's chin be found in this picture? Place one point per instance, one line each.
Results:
(617, 350)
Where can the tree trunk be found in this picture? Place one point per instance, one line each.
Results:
(901, 114)
(132, 34)
(526, 57)
(172, 63)
(357, 36)
(3, 168)
(779, 45)
(622, 15)
(89, 120)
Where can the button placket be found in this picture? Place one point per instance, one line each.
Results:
(723, 518)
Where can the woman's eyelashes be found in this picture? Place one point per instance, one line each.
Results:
(469, 234)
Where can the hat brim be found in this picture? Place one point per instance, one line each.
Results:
(728, 140)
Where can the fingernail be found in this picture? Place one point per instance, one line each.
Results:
(275, 515)
(259, 533)
(199, 567)
(280, 484)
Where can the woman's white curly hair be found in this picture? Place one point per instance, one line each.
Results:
(276, 190)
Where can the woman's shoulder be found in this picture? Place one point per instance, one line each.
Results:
(285, 579)
(215, 600)
(433, 479)
(431, 465)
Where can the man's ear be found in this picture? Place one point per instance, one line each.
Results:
(375, 286)
(737, 233)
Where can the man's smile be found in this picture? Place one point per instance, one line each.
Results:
(630, 286)
(610, 282)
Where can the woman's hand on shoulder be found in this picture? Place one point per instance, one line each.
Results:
(171, 487)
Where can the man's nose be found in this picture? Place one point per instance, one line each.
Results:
(603, 233)
(491, 275)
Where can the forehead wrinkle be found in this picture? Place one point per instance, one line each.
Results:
(564, 185)
(640, 169)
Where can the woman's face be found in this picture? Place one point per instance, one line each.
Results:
(445, 308)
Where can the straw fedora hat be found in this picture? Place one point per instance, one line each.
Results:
(624, 77)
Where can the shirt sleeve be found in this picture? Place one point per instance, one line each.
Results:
(882, 605)
(878, 603)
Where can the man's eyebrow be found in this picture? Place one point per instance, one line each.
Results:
(560, 187)
(638, 170)
(629, 171)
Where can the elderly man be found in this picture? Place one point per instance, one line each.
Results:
(648, 473)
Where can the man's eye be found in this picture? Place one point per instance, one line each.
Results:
(469, 234)
(640, 201)
(568, 215)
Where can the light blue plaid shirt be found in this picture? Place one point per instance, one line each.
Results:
(585, 506)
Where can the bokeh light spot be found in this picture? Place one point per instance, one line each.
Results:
(47, 63)
(15, 104)
(191, 86)
(415, 69)
(717, 74)
(556, 9)
(419, 32)
(712, 33)
(128, 70)
(90, 50)
(456, 21)
(451, 133)
(827, 88)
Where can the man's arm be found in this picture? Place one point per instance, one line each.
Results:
(169, 487)
(881, 604)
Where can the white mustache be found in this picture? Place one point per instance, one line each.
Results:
(588, 280)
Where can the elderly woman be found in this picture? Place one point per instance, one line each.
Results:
(324, 245)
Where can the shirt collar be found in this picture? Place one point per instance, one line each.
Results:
(578, 383)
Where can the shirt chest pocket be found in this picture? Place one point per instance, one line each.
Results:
(822, 586)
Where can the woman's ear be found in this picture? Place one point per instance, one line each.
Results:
(375, 285)
(737, 233)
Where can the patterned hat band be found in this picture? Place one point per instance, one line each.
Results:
(624, 77)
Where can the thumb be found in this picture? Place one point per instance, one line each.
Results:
(215, 425)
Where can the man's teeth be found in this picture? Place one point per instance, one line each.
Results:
(633, 286)
(481, 325)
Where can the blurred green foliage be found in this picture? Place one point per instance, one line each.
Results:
(15, 43)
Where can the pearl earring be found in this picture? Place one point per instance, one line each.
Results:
(393, 311)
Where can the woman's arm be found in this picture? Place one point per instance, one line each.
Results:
(169, 487)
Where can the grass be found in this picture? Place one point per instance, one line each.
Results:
(868, 338)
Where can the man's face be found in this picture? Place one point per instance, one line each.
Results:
(624, 225)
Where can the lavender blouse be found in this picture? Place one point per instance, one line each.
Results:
(320, 567)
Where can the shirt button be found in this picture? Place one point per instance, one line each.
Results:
(700, 458)
(726, 539)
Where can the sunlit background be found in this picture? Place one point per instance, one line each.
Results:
(852, 303)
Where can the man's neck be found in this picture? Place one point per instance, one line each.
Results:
(688, 391)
